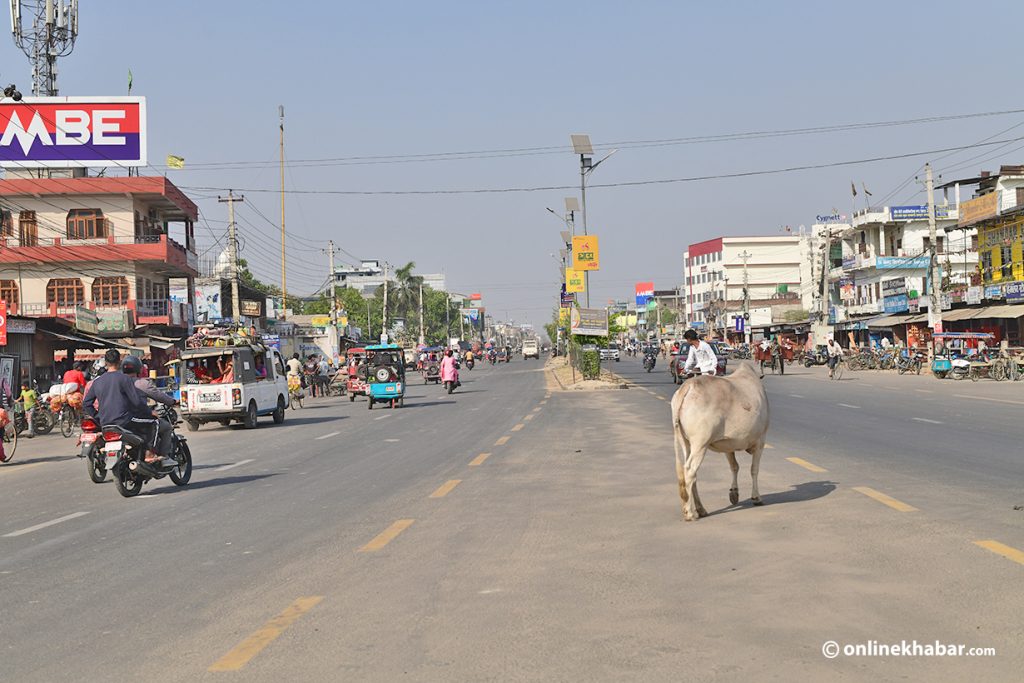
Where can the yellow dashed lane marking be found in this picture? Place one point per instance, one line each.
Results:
(543, 402)
(806, 465)
(445, 488)
(897, 505)
(1004, 550)
(517, 427)
(502, 441)
(537, 409)
(240, 655)
(528, 418)
(386, 536)
(479, 460)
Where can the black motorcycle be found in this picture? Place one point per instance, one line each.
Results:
(912, 362)
(649, 360)
(124, 456)
(43, 420)
(816, 357)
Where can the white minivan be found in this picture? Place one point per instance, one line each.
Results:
(254, 384)
(531, 349)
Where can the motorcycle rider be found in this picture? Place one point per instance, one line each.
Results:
(131, 366)
(700, 355)
(120, 403)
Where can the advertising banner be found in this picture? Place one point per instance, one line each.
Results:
(973, 295)
(86, 320)
(591, 322)
(978, 209)
(586, 254)
(207, 298)
(894, 287)
(644, 291)
(574, 281)
(63, 132)
(251, 308)
(901, 262)
(1014, 291)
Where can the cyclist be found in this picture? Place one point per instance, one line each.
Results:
(835, 351)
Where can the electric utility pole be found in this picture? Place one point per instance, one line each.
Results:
(422, 336)
(935, 304)
(236, 305)
(746, 298)
(334, 298)
(284, 278)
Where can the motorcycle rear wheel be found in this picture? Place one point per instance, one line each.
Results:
(183, 472)
(97, 473)
(10, 437)
(126, 483)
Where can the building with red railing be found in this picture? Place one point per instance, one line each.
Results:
(102, 253)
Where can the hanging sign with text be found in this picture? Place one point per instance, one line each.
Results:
(585, 253)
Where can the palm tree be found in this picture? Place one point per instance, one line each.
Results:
(404, 293)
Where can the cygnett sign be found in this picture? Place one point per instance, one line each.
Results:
(63, 132)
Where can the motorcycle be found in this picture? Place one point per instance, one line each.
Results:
(649, 360)
(492, 357)
(91, 443)
(960, 368)
(450, 387)
(816, 357)
(909, 363)
(124, 455)
(43, 420)
(470, 363)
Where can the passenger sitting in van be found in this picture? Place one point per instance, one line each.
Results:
(261, 368)
(227, 372)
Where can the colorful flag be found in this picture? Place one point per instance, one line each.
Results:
(175, 161)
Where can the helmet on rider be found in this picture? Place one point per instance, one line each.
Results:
(131, 365)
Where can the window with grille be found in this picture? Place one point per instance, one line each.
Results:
(65, 291)
(28, 229)
(110, 291)
(6, 224)
(86, 224)
(9, 293)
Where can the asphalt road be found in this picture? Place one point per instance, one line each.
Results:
(517, 532)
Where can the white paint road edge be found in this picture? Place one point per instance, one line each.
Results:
(847, 405)
(925, 419)
(234, 464)
(37, 527)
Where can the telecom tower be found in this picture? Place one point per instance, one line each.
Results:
(51, 34)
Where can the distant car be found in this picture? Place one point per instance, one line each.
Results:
(531, 349)
(611, 352)
(677, 362)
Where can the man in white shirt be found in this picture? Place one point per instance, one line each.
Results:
(834, 352)
(701, 355)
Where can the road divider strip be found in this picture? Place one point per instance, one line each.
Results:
(479, 460)
(806, 465)
(445, 488)
(240, 655)
(1006, 551)
(223, 468)
(37, 527)
(502, 441)
(327, 436)
(386, 536)
(517, 427)
(897, 505)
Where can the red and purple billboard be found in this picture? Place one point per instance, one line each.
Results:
(65, 132)
(644, 292)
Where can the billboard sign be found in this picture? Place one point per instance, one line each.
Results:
(917, 212)
(1014, 291)
(979, 208)
(591, 322)
(586, 254)
(207, 298)
(574, 281)
(65, 132)
(644, 291)
(902, 262)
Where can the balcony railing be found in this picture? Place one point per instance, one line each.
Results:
(14, 241)
(146, 311)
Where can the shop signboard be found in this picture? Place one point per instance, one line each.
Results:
(918, 212)
(591, 322)
(914, 305)
(975, 210)
(318, 320)
(973, 295)
(993, 291)
(251, 308)
(849, 262)
(272, 341)
(945, 302)
(86, 320)
(894, 287)
(1014, 291)
(901, 262)
(114, 321)
(63, 132)
(896, 304)
(21, 326)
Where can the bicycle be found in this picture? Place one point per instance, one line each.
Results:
(70, 420)
(10, 439)
(837, 371)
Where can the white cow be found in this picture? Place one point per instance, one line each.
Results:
(726, 414)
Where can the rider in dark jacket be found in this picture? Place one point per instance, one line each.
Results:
(119, 401)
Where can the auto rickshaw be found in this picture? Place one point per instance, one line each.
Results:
(431, 369)
(355, 385)
(385, 375)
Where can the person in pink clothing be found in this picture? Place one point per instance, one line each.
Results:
(449, 373)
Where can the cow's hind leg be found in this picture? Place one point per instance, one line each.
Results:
(734, 490)
(682, 450)
(693, 461)
(755, 465)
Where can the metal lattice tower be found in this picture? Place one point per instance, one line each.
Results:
(50, 32)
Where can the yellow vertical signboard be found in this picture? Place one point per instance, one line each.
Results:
(585, 253)
(574, 281)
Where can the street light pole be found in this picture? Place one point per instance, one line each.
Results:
(581, 145)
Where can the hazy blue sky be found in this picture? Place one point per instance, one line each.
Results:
(405, 78)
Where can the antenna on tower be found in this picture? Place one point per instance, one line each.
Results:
(49, 34)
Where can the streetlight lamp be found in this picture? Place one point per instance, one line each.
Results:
(581, 145)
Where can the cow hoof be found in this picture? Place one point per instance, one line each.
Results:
(734, 496)
(757, 501)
